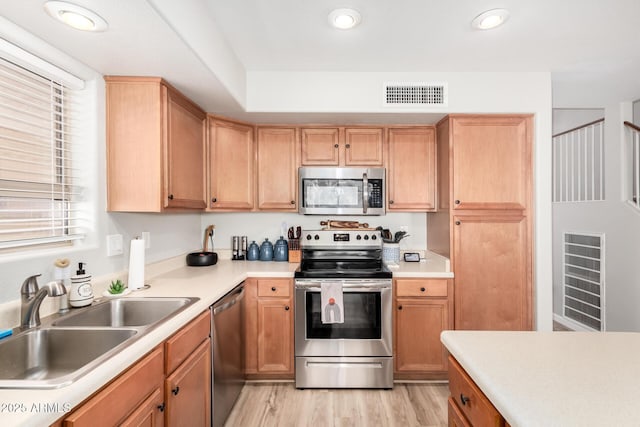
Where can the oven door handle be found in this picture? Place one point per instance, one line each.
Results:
(357, 288)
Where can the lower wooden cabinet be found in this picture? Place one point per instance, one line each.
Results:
(126, 398)
(169, 386)
(468, 406)
(422, 310)
(269, 328)
(187, 387)
(187, 390)
(149, 413)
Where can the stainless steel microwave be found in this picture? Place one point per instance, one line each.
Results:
(341, 191)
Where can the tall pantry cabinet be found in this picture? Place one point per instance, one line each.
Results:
(485, 204)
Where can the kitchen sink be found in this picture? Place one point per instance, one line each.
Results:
(126, 312)
(67, 347)
(52, 357)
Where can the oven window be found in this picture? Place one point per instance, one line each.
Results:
(362, 317)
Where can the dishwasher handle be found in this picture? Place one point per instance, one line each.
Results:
(228, 301)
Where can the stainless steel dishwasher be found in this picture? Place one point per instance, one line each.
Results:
(227, 326)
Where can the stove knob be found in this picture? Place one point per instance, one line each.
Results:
(316, 237)
(358, 237)
(366, 237)
(308, 236)
(373, 237)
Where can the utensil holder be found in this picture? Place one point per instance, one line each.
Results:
(391, 253)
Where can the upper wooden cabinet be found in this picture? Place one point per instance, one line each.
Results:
(411, 169)
(231, 165)
(155, 147)
(492, 158)
(338, 146)
(278, 155)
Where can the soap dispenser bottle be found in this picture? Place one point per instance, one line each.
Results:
(81, 293)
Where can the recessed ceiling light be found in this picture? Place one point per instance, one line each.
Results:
(75, 16)
(344, 19)
(490, 19)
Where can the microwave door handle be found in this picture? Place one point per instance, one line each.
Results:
(365, 193)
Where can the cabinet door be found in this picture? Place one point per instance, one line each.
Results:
(363, 147)
(149, 414)
(492, 265)
(320, 146)
(492, 162)
(231, 165)
(188, 390)
(134, 145)
(411, 169)
(278, 150)
(419, 322)
(123, 397)
(185, 153)
(275, 335)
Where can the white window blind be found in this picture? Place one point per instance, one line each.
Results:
(40, 183)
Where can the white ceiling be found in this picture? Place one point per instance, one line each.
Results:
(583, 43)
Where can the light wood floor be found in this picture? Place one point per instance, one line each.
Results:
(281, 404)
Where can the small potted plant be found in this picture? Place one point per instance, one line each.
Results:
(116, 289)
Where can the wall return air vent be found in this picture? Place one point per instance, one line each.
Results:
(415, 94)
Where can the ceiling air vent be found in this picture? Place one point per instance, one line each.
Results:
(415, 94)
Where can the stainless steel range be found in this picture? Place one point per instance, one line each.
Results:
(357, 353)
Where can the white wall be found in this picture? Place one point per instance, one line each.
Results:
(565, 119)
(620, 224)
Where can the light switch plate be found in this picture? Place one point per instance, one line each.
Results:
(114, 244)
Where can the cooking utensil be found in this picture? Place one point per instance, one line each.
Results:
(399, 235)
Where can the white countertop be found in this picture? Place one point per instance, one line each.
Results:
(554, 378)
(430, 265)
(207, 283)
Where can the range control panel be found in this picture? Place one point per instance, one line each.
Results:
(340, 238)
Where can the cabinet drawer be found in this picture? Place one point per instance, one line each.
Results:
(473, 404)
(185, 341)
(421, 287)
(111, 405)
(274, 287)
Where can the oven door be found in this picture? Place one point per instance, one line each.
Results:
(366, 330)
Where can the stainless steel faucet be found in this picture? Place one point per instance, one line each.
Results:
(31, 298)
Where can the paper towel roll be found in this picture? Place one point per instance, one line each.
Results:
(136, 264)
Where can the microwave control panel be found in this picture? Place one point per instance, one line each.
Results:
(375, 193)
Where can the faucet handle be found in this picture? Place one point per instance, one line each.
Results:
(30, 285)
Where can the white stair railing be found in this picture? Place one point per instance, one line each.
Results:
(578, 164)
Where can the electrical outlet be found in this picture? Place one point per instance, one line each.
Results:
(114, 244)
(146, 236)
(404, 228)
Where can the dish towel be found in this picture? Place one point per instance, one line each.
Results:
(331, 300)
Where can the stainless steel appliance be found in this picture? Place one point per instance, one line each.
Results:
(359, 352)
(341, 191)
(227, 327)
